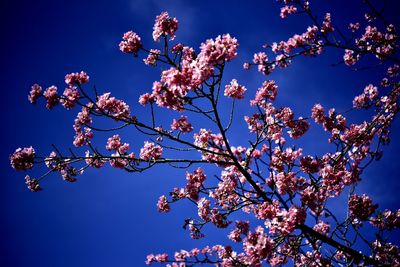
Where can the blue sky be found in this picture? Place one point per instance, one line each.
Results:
(109, 218)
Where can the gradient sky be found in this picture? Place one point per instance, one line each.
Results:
(109, 218)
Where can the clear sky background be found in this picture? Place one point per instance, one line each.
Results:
(108, 217)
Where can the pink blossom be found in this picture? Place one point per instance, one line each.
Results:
(354, 26)
(113, 107)
(23, 158)
(318, 113)
(394, 70)
(70, 97)
(386, 254)
(164, 25)
(246, 66)
(131, 43)
(94, 161)
(35, 93)
(176, 48)
(260, 58)
(327, 24)
(152, 57)
(267, 91)
(219, 219)
(285, 114)
(286, 10)
(361, 207)
(286, 183)
(51, 96)
(282, 60)
(68, 173)
(297, 127)
(309, 164)
(182, 124)
(314, 199)
(387, 220)
(224, 194)
(76, 78)
(116, 161)
(145, 99)
(257, 246)
(195, 181)
(150, 259)
(242, 228)
(285, 222)
(163, 205)
(82, 137)
(322, 227)
(177, 81)
(350, 57)
(204, 210)
(222, 49)
(150, 151)
(235, 90)
(114, 143)
(32, 184)
(52, 161)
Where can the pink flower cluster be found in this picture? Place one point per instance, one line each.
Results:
(195, 181)
(235, 90)
(369, 95)
(267, 91)
(182, 124)
(378, 43)
(354, 26)
(32, 184)
(51, 97)
(350, 57)
(286, 183)
(322, 227)
(327, 24)
(176, 82)
(361, 207)
(286, 10)
(35, 93)
(257, 247)
(76, 78)
(242, 228)
(151, 59)
(213, 143)
(113, 107)
(163, 205)
(260, 59)
(131, 43)
(23, 158)
(224, 194)
(310, 165)
(164, 25)
(314, 198)
(94, 160)
(308, 41)
(220, 50)
(284, 222)
(150, 151)
(336, 176)
(114, 143)
(387, 254)
(203, 209)
(82, 134)
(156, 258)
(387, 220)
(334, 123)
(70, 97)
